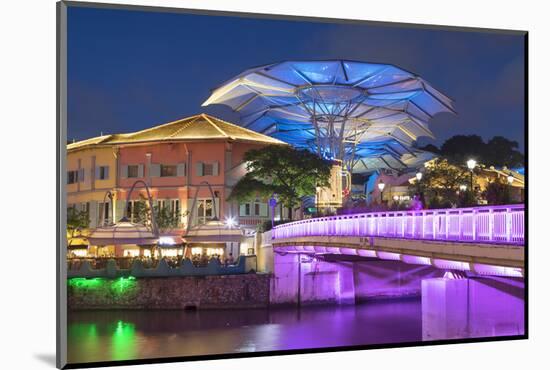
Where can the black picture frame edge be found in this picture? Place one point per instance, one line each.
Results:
(61, 127)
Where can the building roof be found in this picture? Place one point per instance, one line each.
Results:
(199, 127)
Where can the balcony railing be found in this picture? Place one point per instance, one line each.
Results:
(490, 224)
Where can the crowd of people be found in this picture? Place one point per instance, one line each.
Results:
(198, 260)
(202, 260)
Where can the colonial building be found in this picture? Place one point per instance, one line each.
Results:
(190, 166)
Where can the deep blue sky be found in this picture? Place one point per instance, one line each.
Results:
(129, 70)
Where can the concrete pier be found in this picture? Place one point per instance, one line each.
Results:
(472, 307)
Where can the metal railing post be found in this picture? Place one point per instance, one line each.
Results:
(447, 224)
(508, 224)
(491, 224)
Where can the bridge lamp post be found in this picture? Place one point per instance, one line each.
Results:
(510, 180)
(381, 187)
(462, 187)
(418, 178)
(471, 163)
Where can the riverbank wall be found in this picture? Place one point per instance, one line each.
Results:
(192, 292)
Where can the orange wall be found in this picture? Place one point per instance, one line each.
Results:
(190, 153)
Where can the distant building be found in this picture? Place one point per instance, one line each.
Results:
(174, 159)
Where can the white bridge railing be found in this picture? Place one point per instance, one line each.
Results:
(491, 224)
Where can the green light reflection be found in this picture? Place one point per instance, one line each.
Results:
(123, 345)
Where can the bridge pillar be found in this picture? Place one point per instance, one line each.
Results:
(304, 280)
(285, 282)
(346, 281)
(472, 307)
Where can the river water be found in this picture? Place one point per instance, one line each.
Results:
(125, 335)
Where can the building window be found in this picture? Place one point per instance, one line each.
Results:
(244, 209)
(253, 209)
(131, 209)
(175, 207)
(133, 171)
(103, 214)
(208, 169)
(103, 173)
(72, 177)
(205, 210)
(168, 170)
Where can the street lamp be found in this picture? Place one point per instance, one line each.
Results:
(510, 179)
(462, 187)
(419, 176)
(381, 186)
(471, 163)
(317, 195)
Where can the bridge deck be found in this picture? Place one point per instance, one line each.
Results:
(477, 239)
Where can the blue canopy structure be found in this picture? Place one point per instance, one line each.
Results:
(347, 110)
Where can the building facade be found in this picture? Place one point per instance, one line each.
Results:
(190, 166)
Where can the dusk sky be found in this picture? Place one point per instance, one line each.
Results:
(130, 70)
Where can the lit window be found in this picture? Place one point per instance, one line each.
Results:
(204, 210)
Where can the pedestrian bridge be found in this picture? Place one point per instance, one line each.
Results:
(483, 240)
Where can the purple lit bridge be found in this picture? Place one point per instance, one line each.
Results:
(481, 240)
(466, 265)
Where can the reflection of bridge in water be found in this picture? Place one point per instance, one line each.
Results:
(466, 264)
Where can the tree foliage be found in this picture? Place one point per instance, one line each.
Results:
(288, 172)
(166, 218)
(77, 221)
(441, 184)
(498, 192)
(498, 151)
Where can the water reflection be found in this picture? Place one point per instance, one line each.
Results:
(121, 335)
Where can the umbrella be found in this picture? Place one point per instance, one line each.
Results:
(333, 107)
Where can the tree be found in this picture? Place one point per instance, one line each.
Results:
(77, 221)
(498, 151)
(430, 148)
(441, 184)
(166, 218)
(503, 152)
(498, 192)
(288, 172)
(459, 148)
